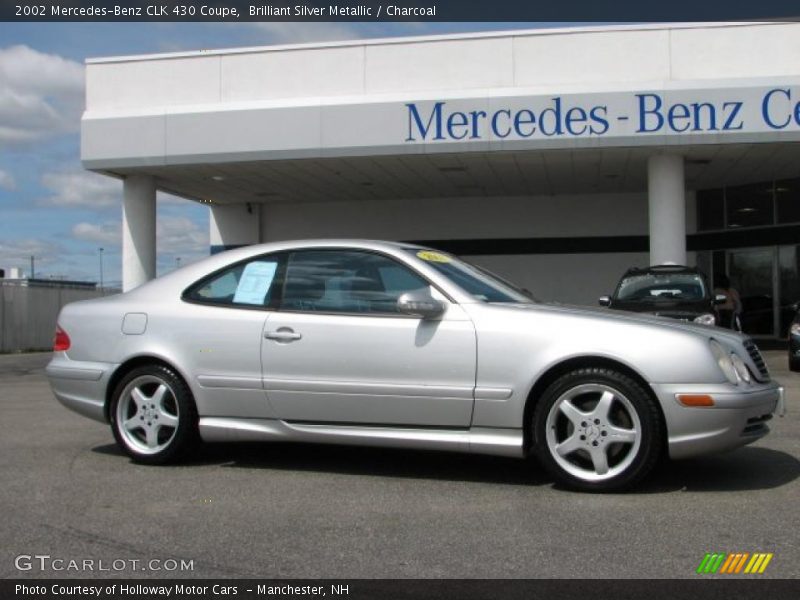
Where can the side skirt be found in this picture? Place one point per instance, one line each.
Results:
(477, 440)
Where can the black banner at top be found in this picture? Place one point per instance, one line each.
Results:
(397, 10)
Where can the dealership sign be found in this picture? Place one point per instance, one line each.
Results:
(502, 119)
(675, 112)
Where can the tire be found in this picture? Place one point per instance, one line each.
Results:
(153, 415)
(596, 429)
(794, 364)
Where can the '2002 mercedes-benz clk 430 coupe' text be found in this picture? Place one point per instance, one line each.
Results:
(390, 344)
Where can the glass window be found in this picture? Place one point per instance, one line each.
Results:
(250, 283)
(787, 193)
(654, 287)
(789, 264)
(752, 275)
(478, 282)
(710, 210)
(346, 281)
(749, 205)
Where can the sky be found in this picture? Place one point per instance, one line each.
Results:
(52, 209)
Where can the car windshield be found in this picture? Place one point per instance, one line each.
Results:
(476, 281)
(653, 287)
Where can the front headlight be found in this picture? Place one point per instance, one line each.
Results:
(794, 329)
(740, 367)
(706, 319)
(724, 361)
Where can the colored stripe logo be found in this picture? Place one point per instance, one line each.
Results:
(734, 563)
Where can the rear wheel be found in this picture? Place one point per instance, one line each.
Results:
(153, 416)
(597, 430)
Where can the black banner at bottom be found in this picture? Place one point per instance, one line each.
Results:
(358, 589)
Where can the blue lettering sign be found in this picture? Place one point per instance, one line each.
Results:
(710, 113)
(765, 108)
(653, 109)
(524, 123)
(598, 115)
(654, 113)
(413, 115)
(545, 118)
(496, 129)
(730, 111)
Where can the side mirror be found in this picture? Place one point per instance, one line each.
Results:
(720, 299)
(604, 300)
(420, 304)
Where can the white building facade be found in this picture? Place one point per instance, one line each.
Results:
(557, 158)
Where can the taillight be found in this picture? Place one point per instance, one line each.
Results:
(61, 341)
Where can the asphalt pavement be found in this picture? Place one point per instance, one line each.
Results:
(306, 511)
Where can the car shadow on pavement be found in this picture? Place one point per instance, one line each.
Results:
(366, 461)
(381, 462)
(749, 468)
(743, 469)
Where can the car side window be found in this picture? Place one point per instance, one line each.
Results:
(250, 283)
(346, 281)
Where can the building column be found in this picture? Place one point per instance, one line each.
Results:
(667, 209)
(233, 225)
(138, 231)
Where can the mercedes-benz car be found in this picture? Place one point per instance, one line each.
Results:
(392, 344)
(668, 290)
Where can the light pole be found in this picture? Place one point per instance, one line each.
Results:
(100, 251)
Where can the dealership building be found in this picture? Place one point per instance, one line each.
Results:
(555, 157)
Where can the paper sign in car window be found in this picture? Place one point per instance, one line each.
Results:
(433, 256)
(254, 283)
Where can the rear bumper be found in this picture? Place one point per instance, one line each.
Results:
(738, 417)
(80, 386)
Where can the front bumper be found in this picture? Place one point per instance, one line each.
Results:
(738, 417)
(80, 386)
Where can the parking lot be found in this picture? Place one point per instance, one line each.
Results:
(311, 511)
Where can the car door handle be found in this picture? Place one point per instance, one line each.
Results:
(283, 335)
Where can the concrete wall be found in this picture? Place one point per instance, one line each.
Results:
(574, 278)
(28, 314)
(573, 59)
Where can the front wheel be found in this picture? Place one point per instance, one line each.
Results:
(153, 416)
(597, 430)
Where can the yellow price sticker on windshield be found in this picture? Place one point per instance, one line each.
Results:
(433, 256)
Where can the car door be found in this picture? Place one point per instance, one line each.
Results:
(338, 351)
(221, 327)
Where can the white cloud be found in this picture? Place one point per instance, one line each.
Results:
(78, 188)
(17, 253)
(181, 235)
(40, 94)
(298, 33)
(7, 181)
(174, 235)
(109, 233)
(167, 198)
(81, 189)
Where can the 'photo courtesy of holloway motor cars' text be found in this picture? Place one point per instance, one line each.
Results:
(420, 299)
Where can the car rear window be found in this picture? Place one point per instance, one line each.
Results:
(652, 287)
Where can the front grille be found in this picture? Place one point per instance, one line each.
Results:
(756, 425)
(757, 359)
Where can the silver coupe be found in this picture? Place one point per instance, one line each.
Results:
(391, 344)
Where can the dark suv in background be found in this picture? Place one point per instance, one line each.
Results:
(674, 291)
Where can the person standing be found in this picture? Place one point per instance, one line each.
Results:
(729, 312)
